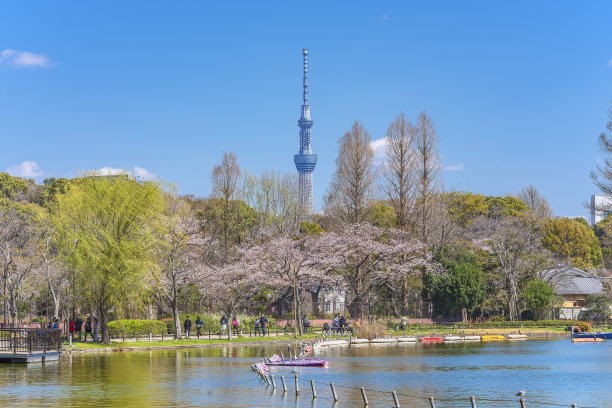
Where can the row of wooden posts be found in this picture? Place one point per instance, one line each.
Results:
(270, 381)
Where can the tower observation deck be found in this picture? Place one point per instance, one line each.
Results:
(305, 161)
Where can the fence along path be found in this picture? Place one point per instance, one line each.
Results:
(393, 396)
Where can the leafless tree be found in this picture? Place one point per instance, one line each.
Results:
(274, 197)
(352, 184)
(602, 175)
(179, 252)
(427, 178)
(511, 240)
(536, 201)
(225, 179)
(399, 169)
(19, 251)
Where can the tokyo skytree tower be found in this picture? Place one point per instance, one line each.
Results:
(305, 161)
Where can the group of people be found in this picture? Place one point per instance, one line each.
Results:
(260, 323)
(339, 325)
(187, 326)
(75, 327)
(223, 325)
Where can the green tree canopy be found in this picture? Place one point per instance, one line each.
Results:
(462, 285)
(598, 304)
(237, 220)
(539, 297)
(574, 241)
(106, 232)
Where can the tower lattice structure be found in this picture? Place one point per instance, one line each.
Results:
(305, 161)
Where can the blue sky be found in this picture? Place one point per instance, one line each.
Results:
(518, 91)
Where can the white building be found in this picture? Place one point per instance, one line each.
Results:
(601, 206)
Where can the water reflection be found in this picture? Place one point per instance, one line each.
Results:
(554, 371)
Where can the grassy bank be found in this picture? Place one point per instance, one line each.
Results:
(145, 344)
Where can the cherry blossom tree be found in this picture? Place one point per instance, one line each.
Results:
(294, 264)
(179, 252)
(366, 256)
(232, 284)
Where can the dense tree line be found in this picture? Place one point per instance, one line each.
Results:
(390, 237)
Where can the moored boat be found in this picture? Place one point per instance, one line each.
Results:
(452, 339)
(591, 339)
(360, 341)
(432, 339)
(492, 337)
(471, 338)
(300, 362)
(600, 335)
(410, 339)
(517, 337)
(384, 340)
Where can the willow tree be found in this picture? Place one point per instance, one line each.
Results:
(106, 229)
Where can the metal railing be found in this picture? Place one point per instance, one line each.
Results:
(26, 340)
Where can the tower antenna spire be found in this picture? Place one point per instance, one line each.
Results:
(305, 161)
(305, 54)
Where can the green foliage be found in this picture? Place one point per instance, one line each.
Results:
(508, 205)
(599, 304)
(310, 228)
(381, 215)
(11, 187)
(106, 232)
(573, 241)
(135, 326)
(242, 218)
(539, 297)
(465, 207)
(463, 283)
(56, 186)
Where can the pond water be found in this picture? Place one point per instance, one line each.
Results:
(556, 372)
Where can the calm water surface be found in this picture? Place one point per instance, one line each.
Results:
(549, 371)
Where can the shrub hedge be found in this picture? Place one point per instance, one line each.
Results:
(136, 326)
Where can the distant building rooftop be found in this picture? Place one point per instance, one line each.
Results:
(572, 281)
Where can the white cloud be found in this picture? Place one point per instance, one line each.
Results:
(137, 172)
(22, 59)
(379, 146)
(27, 169)
(454, 167)
(143, 173)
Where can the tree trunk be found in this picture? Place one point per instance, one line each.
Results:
(177, 320)
(103, 325)
(296, 302)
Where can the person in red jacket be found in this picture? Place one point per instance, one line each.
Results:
(71, 329)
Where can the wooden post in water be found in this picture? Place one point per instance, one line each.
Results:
(365, 397)
(297, 385)
(395, 400)
(284, 385)
(334, 391)
(267, 379)
(314, 391)
(273, 382)
(522, 402)
(432, 403)
(473, 401)
(282, 356)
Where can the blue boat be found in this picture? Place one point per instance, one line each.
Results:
(601, 335)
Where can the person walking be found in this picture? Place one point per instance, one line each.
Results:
(55, 323)
(257, 325)
(403, 323)
(78, 326)
(187, 326)
(264, 323)
(95, 329)
(88, 328)
(235, 324)
(199, 323)
(306, 324)
(223, 323)
(71, 330)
